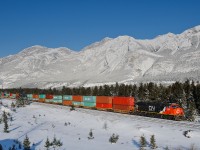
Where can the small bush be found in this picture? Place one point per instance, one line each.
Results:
(114, 138)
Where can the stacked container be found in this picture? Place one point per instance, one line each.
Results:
(13, 96)
(35, 97)
(42, 98)
(67, 100)
(123, 104)
(49, 98)
(104, 102)
(10, 95)
(30, 97)
(57, 99)
(77, 100)
(89, 101)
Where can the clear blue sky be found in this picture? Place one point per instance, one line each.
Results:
(78, 23)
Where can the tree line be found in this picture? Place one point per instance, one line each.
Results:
(188, 91)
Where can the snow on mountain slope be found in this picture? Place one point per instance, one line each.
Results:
(167, 57)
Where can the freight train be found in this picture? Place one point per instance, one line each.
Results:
(109, 103)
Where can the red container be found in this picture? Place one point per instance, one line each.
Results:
(10, 94)
(77, 98)
(103, 106)
(35, 96)
(123, 101)
(104, 99)
(123, 108)
(67, 103)
(49, 96)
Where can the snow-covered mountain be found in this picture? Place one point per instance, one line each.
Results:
(166, 58)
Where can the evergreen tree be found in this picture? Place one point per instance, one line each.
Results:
(47, 144)
(90, 135)
(5, 120)
(1, 147)
(101, 92)
(59, 143)
(153, 142)
(54, 142)
(143, 142)
(191, 111)
(116, 93)
(114, 138)
(121, 90)
(106, 89)
(95, 91)
(26, 143)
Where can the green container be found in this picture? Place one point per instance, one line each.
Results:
(42, 96)
(67, 97)
(47, 100)
(57, 97)
(88, 104)
(13, 96)
(29, 95)
(57, 101)
(77, 103)
(91, 99)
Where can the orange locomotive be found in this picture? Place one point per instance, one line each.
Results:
(160, 110)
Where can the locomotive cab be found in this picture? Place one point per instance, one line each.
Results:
(173, 109)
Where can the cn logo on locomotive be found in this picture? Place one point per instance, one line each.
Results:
(152, 108)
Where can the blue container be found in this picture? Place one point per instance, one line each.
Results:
(88, 104)
(42, 96)
(91, 99)
(67, 97)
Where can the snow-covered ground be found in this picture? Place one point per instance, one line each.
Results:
(49, 121)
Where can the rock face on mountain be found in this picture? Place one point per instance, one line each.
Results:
(166, 58)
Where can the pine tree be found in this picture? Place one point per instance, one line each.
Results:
(90, 135)
(1, 147)
(26, 143)
(143, 142)
(47, 144)
(5, 120)
(114, 138)
(54, 142)
(153, 142)
(59, 143)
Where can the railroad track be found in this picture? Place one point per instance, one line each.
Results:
(165, 122)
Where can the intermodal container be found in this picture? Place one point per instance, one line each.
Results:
(47, 101)
(122, 108)
(103, 106)
(35, 97)
(67, 102)
(88, 104)
(67, 97)
(57, 97)
(123, 101)
(49, 96)
(91, 99)
(77, 98)
(42, 96)
(57, 101)
(42, 100)
(104, 99)
(13, 96)
(29, 96)
(75, 103)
